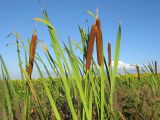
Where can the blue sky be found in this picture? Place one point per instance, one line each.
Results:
(139, 19)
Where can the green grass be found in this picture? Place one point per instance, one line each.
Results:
(132, 99)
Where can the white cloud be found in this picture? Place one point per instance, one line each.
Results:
(123, 67)
(130, 68)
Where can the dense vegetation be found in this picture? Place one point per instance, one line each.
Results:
(81, 89)
(134, 99)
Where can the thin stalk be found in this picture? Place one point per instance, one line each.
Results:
(19, 59)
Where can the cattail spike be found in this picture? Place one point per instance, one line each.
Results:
(99, 42)
(138, 72)
(32, 52)
(90, 46)
(156, 71)
(109, 54)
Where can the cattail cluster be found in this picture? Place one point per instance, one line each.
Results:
(95, 33)
(32, 50)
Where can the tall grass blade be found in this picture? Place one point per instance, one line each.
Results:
(116, 59)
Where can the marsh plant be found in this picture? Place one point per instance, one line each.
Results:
(82, 88)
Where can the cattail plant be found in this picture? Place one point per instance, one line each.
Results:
(109, 55)
(32, 53)
(95, 32)
(90, 46)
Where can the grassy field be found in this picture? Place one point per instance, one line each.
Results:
(133, 99)
(82, 89)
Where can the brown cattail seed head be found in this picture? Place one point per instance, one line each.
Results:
(156, 71)
(32, 53)
(138, 72)
(109, 54)
(99, 42)
(90, 46)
